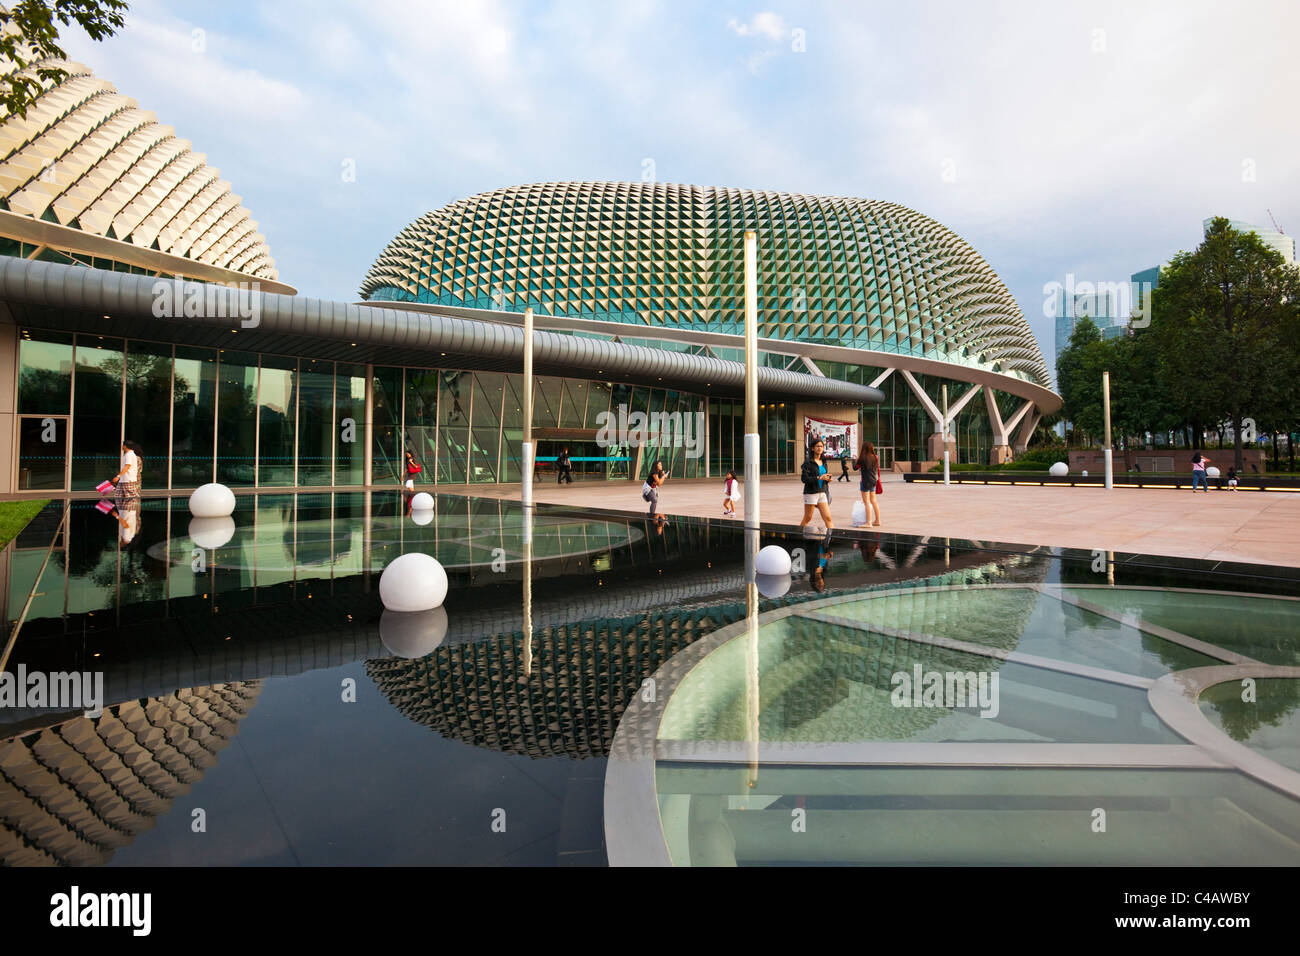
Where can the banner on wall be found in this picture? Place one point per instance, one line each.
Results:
(840, 438)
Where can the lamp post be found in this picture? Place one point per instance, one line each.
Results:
(945, 434)
(1105, 404)
(751, 380)
(526, 470)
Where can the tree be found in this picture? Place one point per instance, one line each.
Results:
(1078, 376)
(29, 38)
(1224, 321)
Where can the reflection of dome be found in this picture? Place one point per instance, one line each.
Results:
(73, 793)
(89, 175)
(583, 675)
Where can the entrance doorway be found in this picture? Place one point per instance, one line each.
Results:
(590, 461)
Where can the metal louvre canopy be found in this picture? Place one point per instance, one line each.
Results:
(298, 325)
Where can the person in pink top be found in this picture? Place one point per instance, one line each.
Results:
(1199, 477)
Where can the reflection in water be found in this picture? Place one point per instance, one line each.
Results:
(539, 659)
(73, 792)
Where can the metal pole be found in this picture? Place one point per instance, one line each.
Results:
(751, 380)
(526, 449)
(945, 434)
(1105, 402)
(528, 592)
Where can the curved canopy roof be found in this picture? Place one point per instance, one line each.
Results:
(833, 271)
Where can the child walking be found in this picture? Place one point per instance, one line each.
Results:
(730, 494)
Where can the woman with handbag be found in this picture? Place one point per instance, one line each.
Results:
(413, 468)
(868, 462)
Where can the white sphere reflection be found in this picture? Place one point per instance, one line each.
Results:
(772, 585)
(422, 502)
(413, 582)
(212, 533)
(212, 501)
(773, 559)
(422, 517)
(1060, 469)
(413, 634)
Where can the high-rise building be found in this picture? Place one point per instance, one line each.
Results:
(1278, 241)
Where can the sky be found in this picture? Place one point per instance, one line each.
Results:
(1084, 139)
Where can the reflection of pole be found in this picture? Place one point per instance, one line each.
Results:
(1110, 568)
(751, 654)
(528, 592)
(751, 684)
(1105, 404)
(945, 434)
(751, 380)
(526, 467)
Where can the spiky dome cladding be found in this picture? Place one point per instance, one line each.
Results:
(833, 270)
(87, 157)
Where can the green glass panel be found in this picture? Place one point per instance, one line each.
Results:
(350, 424)
(386, 442)
(149, 403)
(236, 417)
(194, 393)
(316, 432)
(454, 398)
(276, 406)
(97, 416)
(44, 372)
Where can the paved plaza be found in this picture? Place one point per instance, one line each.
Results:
(1248, 526)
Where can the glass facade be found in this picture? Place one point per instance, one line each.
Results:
(251, 419)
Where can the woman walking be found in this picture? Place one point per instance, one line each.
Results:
(1199, 476)
(815, 478)
(869, 464)
(128, 479)
(564, 468)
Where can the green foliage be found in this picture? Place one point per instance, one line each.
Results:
(14, 516)
(34, 43)
(1223, 345)
(1224, 329)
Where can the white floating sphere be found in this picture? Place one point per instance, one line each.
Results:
(772, 585)
(1059, 470)
(413, 634)
(422, 517)
(413, 582)
(212, 501)
(1212, 472)
(422, 502)
(859, 513)
(1084, 473)
(773, 559)
(212, 532)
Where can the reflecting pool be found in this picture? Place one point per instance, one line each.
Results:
(601, 688)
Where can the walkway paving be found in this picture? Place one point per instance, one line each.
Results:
(1250, 526)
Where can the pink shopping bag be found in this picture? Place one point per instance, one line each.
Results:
(104, 507)
(104, 487)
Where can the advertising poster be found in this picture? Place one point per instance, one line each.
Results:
(841, 438)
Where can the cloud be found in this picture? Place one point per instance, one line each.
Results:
(766, 24)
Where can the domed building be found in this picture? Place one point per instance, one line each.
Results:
(850, 289)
